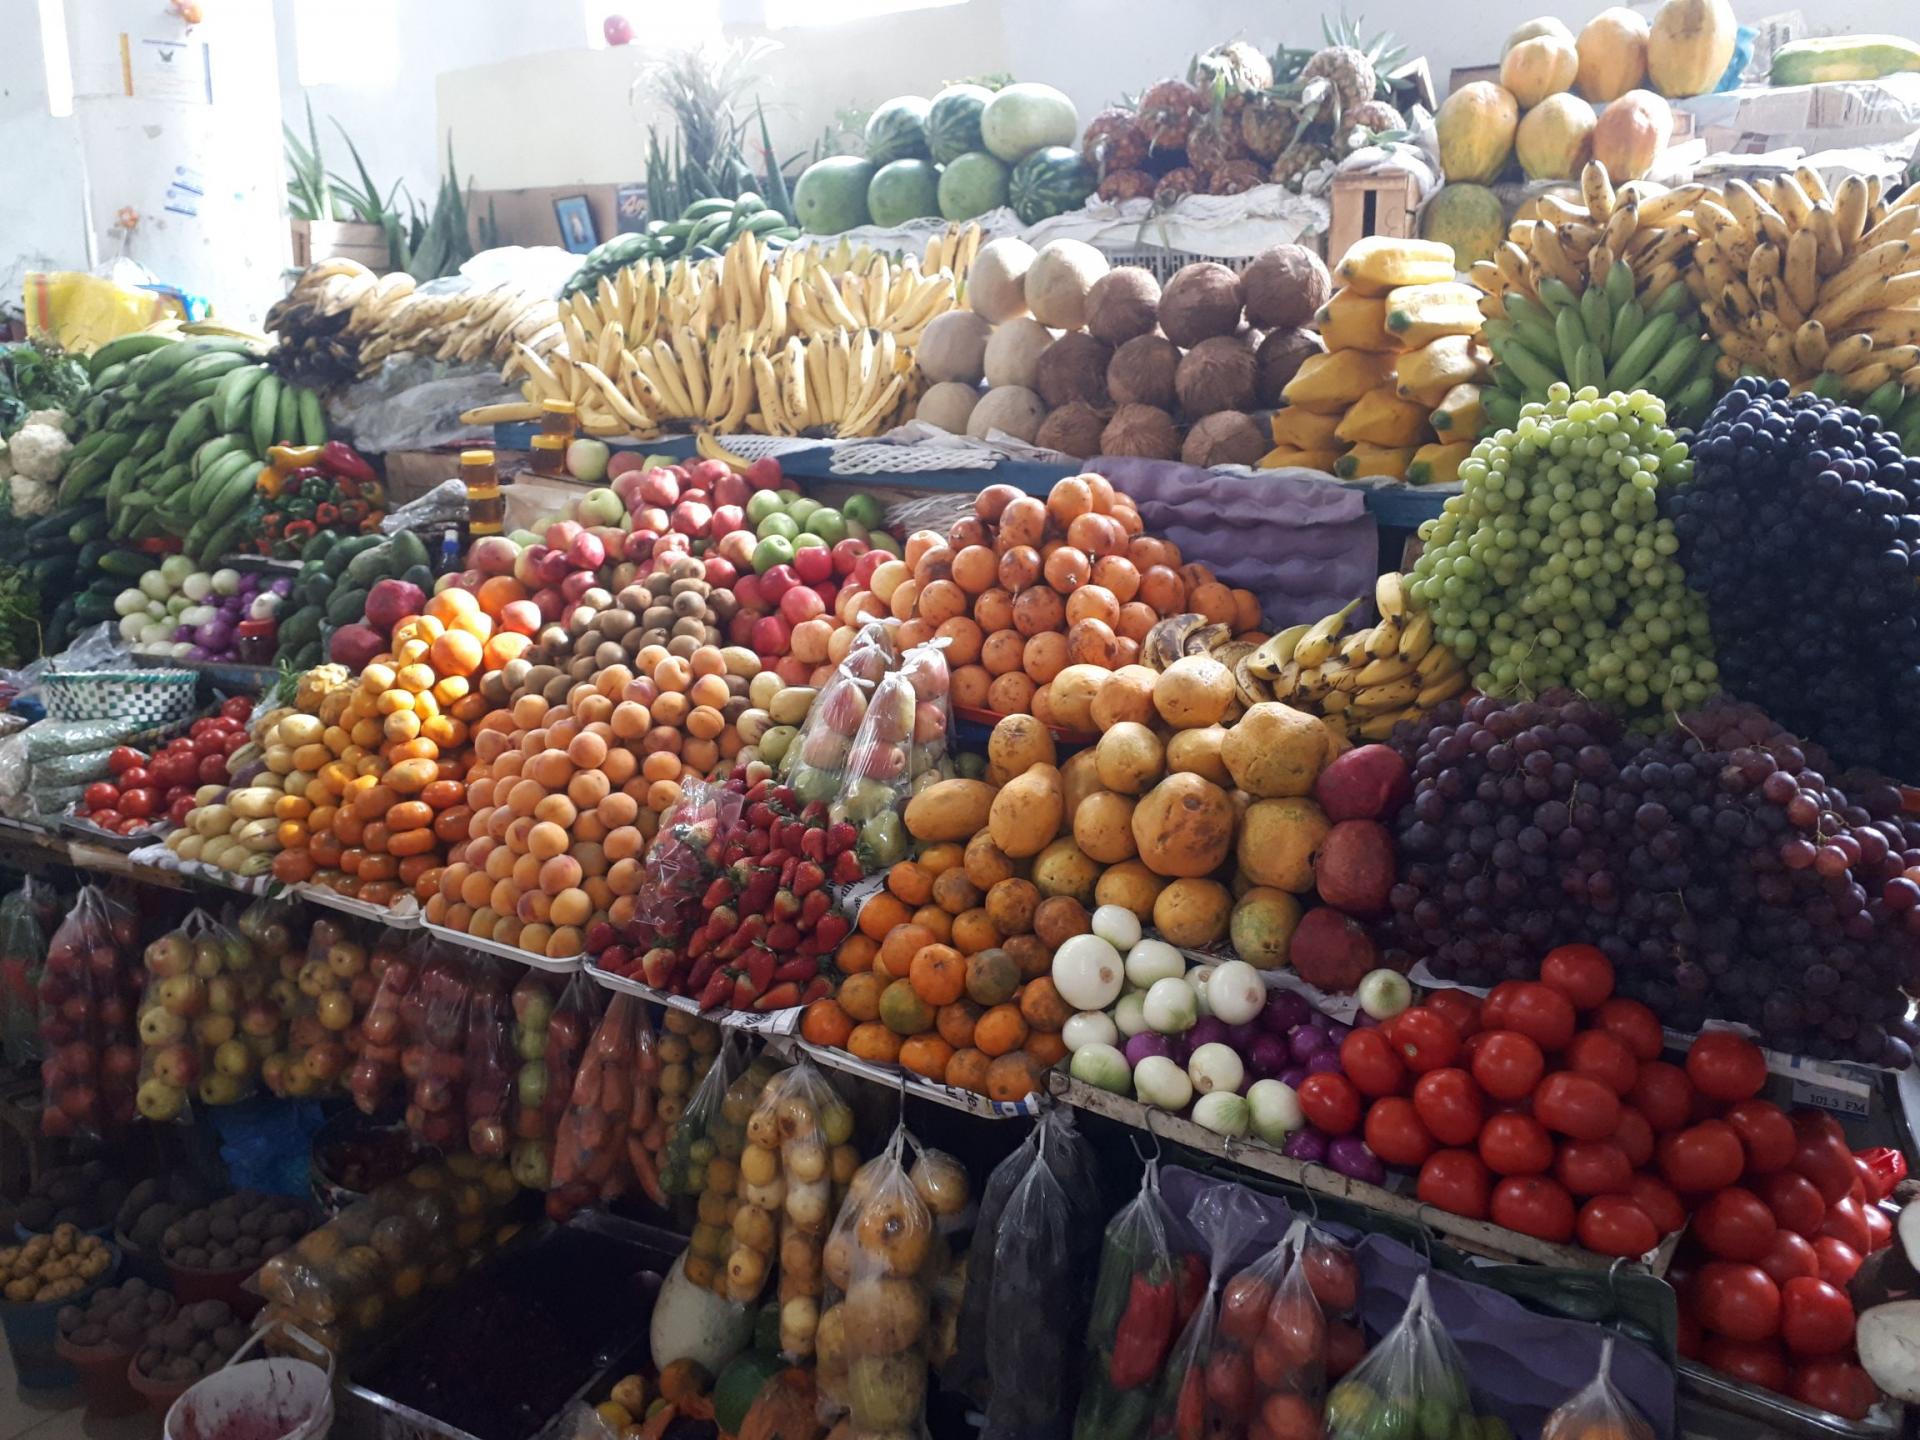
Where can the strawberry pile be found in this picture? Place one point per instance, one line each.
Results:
(741, 917)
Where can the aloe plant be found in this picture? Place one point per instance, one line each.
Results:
(309, 196)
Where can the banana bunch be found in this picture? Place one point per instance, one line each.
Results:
(844, 383)
(893, 297)
(1368, 681)
(684, 381)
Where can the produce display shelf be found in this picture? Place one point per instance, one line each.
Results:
(1478, 1236)
(408, 919)
(752, 1022)
(894, 1078)
(565, 966)
(228, 674)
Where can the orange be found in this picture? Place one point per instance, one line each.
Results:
(967, 1070)
(1013, 1077)
(926, 1055)
(880, 914)
(955, 1022)
(860, 996)
(910, 882)
(992, 977)
(938, 974)
(875, 1042)
(953, 892)
(451, 603)
(498, 591)
(856, 954)
(932, 917)
(903, 1011)
(972, 931)
(1000, 1030)
(936, 858)
(897, 950)
(1046, 1047)
(825, 1023)
(1041, 1005)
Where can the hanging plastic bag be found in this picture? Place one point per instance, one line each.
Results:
(686, 1170)
(593, 1154)
(490, 1071)
(1333, 1276)
(189, 1021)
(1135, 1314)
(1270, 1313)
(1415, 1371)
(714, 1171)
(88, 991)
(798, 1131)
(1599, 1409)
(435, 1060)
(23, 954)
(384, 1036)
(1207, 1389)
(814, 761)
(646, 1132)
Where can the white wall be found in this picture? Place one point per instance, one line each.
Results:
(42, 223)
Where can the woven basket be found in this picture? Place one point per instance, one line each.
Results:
(140, 697)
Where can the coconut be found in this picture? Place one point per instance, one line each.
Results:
(1074, 429)
(1142, 430)
(1284, 286)
(1123, 303)
(1217, 374)
(1074, 367)
(1201, 300)
(1058, 281)
(996, 285)
(1142, 370)
(1013, 354)
(1225, 437)
(1012, 409)
(954, 347)
(948, 406)
(1280, 355)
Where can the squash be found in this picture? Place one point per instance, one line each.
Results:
(1475, 128)
(1079, 778)
(1690, 46)
(1295, 429)
(1129, 759)
(1352, 321)
(1376, 264)
(1193, 692)
(1063, 868)
(1026, 813)
(949, 810)
(1193, 913)
(1184, 826)
(1438, 464)
(1613, 55)
(1418, 314)
(1329, 383)
(1468, 217)
(783, 1410)
(1381, 417)
(1017, 744)
(1103, 827)
(1843, 57)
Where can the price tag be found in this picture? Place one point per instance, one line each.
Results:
(853, 898)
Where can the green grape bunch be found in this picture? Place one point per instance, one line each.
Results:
(1554, 567)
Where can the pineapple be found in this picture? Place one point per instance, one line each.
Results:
(1226, 69)
(1384, 52)
(1235, 177)
(1118, 185)
(1295, 167)
(1377, 117)
(1266, 126)
(1168, 111)
(1114, 141)
(1177, 184)
(1336, 81)
(1214, 141)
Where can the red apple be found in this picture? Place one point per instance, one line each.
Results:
(653, 517)
(617, 30)
(585, 551)
(749, 590)
(793, 671)
(718, 572)
(523, 617)
(764, 473)
(731, 489)
(626, 462)
(659, 487)
(770, 636)
(576, 584)
(828, 591)
(526, 566)
(776, 580)
(846, 555)
(554, 567)
(551, 603)
(670, 545)
(801, 603)
(726, 520)
(561, 532)
(640, 543)
(705, 472)
(864, 567)
(737, 546)
(740, 628)
(813, 563)
(690, 517)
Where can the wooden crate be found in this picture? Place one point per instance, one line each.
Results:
(315, 240)
(1370, 202)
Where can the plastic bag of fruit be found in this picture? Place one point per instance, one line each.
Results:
(1333, 1276)
(685, 1168)
(683, 859)
(815, 760)
(786, 1192)
(1414, 1372)
(1206, 1388)
(189, 1022)
(1270, 1312)
(435, 1059)
(713, 1170)
(90, 1065)
(490, 1069)
(592, 1154)
(689, 1047)
(902, 737)
(532, 1001)
(1135, 1315)
(398, 958)
(318, 1010)
(1597, 1409)
(23, 953)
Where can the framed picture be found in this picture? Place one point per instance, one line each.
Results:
(629, 208)
(575, 218)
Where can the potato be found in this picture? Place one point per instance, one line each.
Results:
(1025, 815)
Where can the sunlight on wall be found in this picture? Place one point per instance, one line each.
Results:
(346, 42)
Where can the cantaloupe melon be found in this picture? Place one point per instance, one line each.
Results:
(996, 285)
(1690, 46)
(1058, 280)
(1012, 409)
(1470, 218)
(1630, 134)
(1613, 55)
(1475, 128)
(1555, 138)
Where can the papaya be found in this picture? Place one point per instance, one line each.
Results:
(1690, 45)
(1551, 25)
(1439, 463)
(1386, 462)
(1475, 128)
(1294, 459)
(1555, 139)
(1417, 314)
(1630, 134)
(1843, 57)
(1379, 263)
(1468, 217)
(1613, 55)
(1426, 375)
(1537, 68)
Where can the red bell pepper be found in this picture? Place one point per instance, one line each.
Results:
(340, 459)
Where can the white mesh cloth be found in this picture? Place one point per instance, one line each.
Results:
(862, 459)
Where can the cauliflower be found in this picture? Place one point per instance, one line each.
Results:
(30, 497)
(58, 419)
(38, 452)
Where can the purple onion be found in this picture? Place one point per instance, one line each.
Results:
(1284, 1010)
(1241, 1037)
(1292, 1076)
(1363, 1021)
(1324, 1062)
(183, 635)
(199, 652)
(1180, 1047)
(1305, 1041)
(1146, 1043)
(1308, 1144)
(1351, 1157)
(1336, 1032)
(1207, 1030)
(1267, 1056)
(282, 587)
(214, 635)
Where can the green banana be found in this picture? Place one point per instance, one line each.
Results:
(313, 419)
(1596, 317)
(286, 420)
(1885, 401)
(1570, 335)
(233, 392)
(1692, 400)
(1557, 294)
(266, 406)
(195, 425)
(1673, 366)
(1534, 372)
(1589, 366)
(1646, 348)
(211, 450)
(1627, 321)
(124, 349)
(1619, 285)
(1670, 301)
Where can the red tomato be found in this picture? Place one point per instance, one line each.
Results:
(1634, 1025)
(1614, 1225)
(1449, 1105)
(174, 769)
(238, 708)
(1726, 1066)
(1702, 1157)
(138, 778)
(1765, 1134)
(201, 726)
(178, 811)
(1835, 1386)
(1738, 1301)
(1593, 1167)
(1333, 1275)
(1788, 1256)
(1735, 1224)
(1506, 1064)
(213, 769)
(1821, 1154)
(1534, 1205)
(123, 758)
(1663, 1094)
(1455, 1181)
(206, 743)
(1879, 1228)
(1395, 1134)
(1763, 1364)
(1539, 1012)
(232, 742)
(1838, 1260)
(1658, 1201)
(1576, 1105)
(1515, 1145)
(1846, 1222)
(1426, 1039)
(141, 803)
(1331, 1102)
(1580, 972)
(1816, 1318)
(107, 819)
(1606, 1058)
(1794, 1201)
(1462, 1007)
(1373, 1065)
(1882, 1168)
(1688, 1339)
(99, 796)
(1634, 1136)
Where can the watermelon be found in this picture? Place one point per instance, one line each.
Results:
(953, 123)
(831, 195)
(898, 131)
(903, 190)
(1049, 182)
(971, 185)
(1027, 117)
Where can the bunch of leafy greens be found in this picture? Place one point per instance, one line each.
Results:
(34, 377)
(19, 617)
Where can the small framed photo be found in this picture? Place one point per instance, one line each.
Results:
(575, 218)
(629, 208)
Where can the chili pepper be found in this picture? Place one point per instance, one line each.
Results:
(1190, 1414)
(1146, 1329)
(288, 458)
(339, 458)
(326, 513)
(372, 522)
(301, 530)
(160, 545)
(1191, 1285)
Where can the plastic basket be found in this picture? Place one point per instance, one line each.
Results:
(140, 697)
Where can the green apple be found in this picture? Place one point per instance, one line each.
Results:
(776, 524)
(863, 508)
(771, 551)
(761, 504)
(801, 506)
(807, 540)
(881, 540)
(829, 524)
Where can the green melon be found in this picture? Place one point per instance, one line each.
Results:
(904, 190)
(971, 185)
(1049, 182)
(1027, 117)
(953, 122)
(1468, 217)
(831, 194)
(898, 130)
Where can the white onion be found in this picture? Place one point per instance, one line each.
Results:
(1222, 1112)
(1090, 1027)
(1384, 993)
(1198, 978)
(1171, 1006)
(226, 582)
(1103, 1067)
(1236, 993)
(1215, 1066)
(1118, 926)
(1130, 1012)
(1088, 972)
(1159, 1081)
(1152, 960)
(197, 586)
(1276, 1110)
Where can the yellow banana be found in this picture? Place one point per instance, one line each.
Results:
(1318, 643)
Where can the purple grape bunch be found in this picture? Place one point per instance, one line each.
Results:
(1720, 864)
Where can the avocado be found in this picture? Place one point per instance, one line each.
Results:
(409, 550)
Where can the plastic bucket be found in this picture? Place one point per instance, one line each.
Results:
(33, 1332)
(279, 1398)
(157, 1395)
(103, 1377)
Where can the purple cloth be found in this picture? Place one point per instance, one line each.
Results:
(1522, 1365)
(1304, 546)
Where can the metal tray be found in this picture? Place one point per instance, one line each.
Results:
(1713, 1406)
